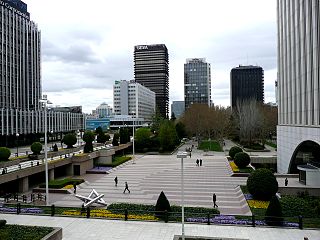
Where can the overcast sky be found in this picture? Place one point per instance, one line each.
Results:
(87, 45)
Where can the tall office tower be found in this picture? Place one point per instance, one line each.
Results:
(21, 113)
(197, 82)
(177, 107)
(298, 131)
(151, 69)
(246, 82)
(131, 98)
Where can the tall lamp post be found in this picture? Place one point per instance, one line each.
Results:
(17, 135)
(182, 155)
(45, 102)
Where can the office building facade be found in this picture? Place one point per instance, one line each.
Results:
(21, 113)
(104, 110)
(151, 69)
(197, 82)
(298, 131)
(177, 107)
(246, 83)
(131, 98)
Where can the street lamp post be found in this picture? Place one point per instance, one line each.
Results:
(182, 155)
(45, 102)
(17, 135)
(51, 133)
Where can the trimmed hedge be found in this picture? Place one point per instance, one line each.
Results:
(36, 147)
(24, 232)
(162, 205)
(242, 159)
(4, 154)
(69, 139)
(233, 151)
(262, 184)
(2, 223)
(273, 215)
(57, 184)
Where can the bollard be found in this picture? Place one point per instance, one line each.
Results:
(88, 212)
(208, 218)
(165, 216)
(253, 220)
(18, 208)
(52, 210)
(300, 222)
(126, 215)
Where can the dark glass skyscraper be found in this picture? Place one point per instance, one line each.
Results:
(151, 69)
(197, 82)
(246, 82)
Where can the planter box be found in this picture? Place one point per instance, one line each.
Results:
(56, 234)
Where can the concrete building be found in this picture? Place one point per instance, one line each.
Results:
(298, 131)
(246, 82)
(177, 107)
(151, 69)
(197, 82)
(21, 114)
(103, 110)
(131, 98)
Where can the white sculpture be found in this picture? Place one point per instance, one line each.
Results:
(93, 197)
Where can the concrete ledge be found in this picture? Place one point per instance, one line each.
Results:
(179, 237)
(51, 190)
(312, 191)
(56, 234)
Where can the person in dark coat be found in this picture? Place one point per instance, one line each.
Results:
(214, 199)
(200, 162)
(116, 181)
(126, 188)
(197, 162)
(74, 188)
(286, 182)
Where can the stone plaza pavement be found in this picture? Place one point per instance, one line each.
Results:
(85, 229)
(151, 174)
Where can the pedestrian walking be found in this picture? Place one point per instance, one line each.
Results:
(286, 182)
(214, 199)
(116, 181)
(200, 162)
(190, 154)
(74, 188)
(126, 187)
(197, 162)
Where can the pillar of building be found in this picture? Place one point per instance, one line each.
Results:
(23, 184)
(51, 174)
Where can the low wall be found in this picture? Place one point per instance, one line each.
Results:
(295, 190)
(56, 234)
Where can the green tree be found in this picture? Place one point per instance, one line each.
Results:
(173, 117)
(4, 153)
(36, 147)
(99, 130)
(142, 138)
(69, 139)
(124, 135)
(88, 138)
(162, 205)
(102, 137)
(167, 135)
(242, 159)
(115, 140)
(273, 215)
(157, 119)
(181, 130)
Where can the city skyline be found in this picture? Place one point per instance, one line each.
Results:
(84, 54)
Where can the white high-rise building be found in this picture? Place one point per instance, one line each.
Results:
(103, 110)
(298, 132)
(131, 98)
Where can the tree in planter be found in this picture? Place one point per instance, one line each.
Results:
(242, 159)
(107, 137)
(69, 139)
(88, 138)
(233, 151)
(115, 140)
(102, 138)
(273, 215)
(36, 148)
(162, 205)
(4, 154)
(99, 130)
(262, 184)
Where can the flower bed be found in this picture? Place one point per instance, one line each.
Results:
(23, 210)
(99, 169)
(234, 166)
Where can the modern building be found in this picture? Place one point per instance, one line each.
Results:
(197, 82)
(21, 113)
(298, 131)
(246, 83)
(177, 107)
(103, 110)
(131, 98)
(151, 69)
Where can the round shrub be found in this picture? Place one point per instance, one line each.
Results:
(273, 215)
(162, 205)
(36, 147)
(234, 150)
(4, 153)
(88, 137)
(242, 159)
(262, 184)
(69, 139)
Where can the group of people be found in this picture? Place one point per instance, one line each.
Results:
(199, 162)
(126, 186)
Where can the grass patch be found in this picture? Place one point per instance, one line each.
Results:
(210, 145)
(9, 232)
(57, 184)
(271, 144)
(116, 161)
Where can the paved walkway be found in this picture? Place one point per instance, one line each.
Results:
(151, 174)
(84, 229)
